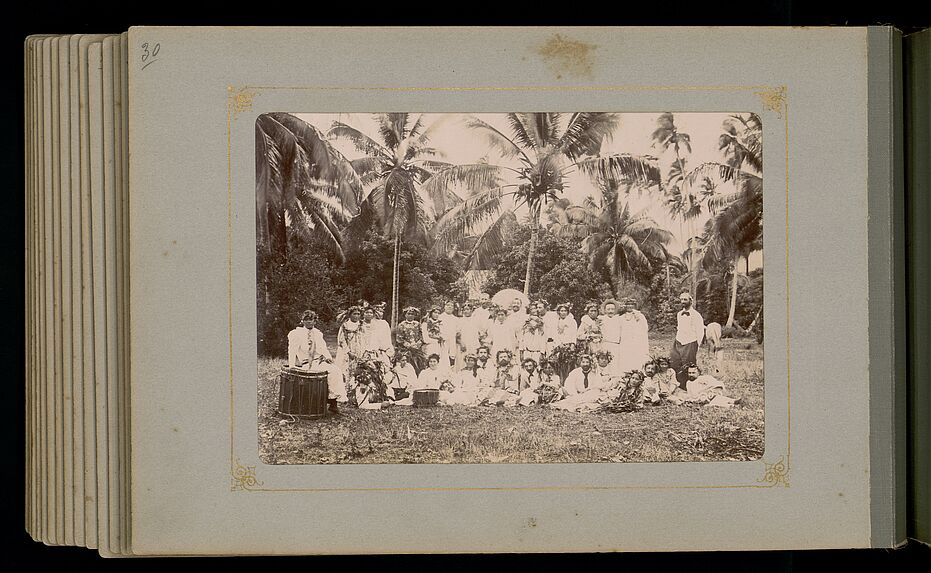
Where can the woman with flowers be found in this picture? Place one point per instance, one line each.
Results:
(350, 342)
(589, 332)
(409, 337)
(532, 338)
(432, 335)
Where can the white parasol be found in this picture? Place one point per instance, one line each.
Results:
(506, 297)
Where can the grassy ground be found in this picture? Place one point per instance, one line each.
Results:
(526, 435)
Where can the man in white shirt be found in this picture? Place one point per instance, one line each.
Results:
(690, 331)
(308, 350)
(583, 378)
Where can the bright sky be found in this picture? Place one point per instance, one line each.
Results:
(462, 145)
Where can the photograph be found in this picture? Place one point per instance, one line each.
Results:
(525, 287)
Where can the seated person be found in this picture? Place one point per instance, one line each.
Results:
(401, 376)
(665, 377)
(703, 389)
(550, 389)
(651, 386)
(466, 384)
(308, 351)
(506, 382)
(609, 377)
(432, 377)
(584, 387)
(529, 382)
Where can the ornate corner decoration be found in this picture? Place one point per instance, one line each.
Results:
(243, 477)
(776, 474)
(774, 99)
(239, 100)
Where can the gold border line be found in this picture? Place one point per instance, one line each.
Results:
(234, 106)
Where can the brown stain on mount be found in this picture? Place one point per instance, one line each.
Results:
(567, 56)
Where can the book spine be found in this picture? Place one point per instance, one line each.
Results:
(886, 289)
(918, 228)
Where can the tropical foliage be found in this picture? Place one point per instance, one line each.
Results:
(537, 155)
(396, 174)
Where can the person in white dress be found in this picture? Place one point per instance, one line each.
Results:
(565, 330)
(469, 336)
(482, 311)
(385, 343)
(449, 328)
(307, 350)
(589, 331)
(531, 337)
(467, 384)
(433, 377)
(432, 334)
(610, 323)
(635, 344)
(501, 334)
(350, 343)
(402, 376)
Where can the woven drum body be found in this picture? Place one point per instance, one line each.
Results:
(302, 393)
(426, 398)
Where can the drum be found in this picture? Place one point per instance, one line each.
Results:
(302, 393)
(426, 397)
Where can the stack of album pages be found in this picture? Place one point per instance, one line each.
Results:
(77, 240)
(165, 163)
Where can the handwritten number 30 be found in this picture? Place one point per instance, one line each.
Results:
(145, 51)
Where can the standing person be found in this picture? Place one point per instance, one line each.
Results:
(410, 337)
(469, 335)
(482, 311)
(531, 335)
(350, 343)
(449, 327)
(501, 334)
(589, 332)
(372, 336)
(566, 330)
(385, 343)
(610, 323)
(635, 343)
(307, 349)
(517, 316)
(690, 331)
(432, 334)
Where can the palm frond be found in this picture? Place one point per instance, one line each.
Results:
(465, 218)
(488, 246)
(623, 167)
(362, 143)
(497, 140)
(585, 133)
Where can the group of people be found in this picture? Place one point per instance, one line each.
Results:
(487, 354)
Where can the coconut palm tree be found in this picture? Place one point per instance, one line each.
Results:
(394, 176)
(303, 185)
(736, 227)
(614, 239)
(683, 200)
(538, 153)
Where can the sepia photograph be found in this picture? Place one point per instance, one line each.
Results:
(509, 287)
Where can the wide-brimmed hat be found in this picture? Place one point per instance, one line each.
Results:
(616, 304)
